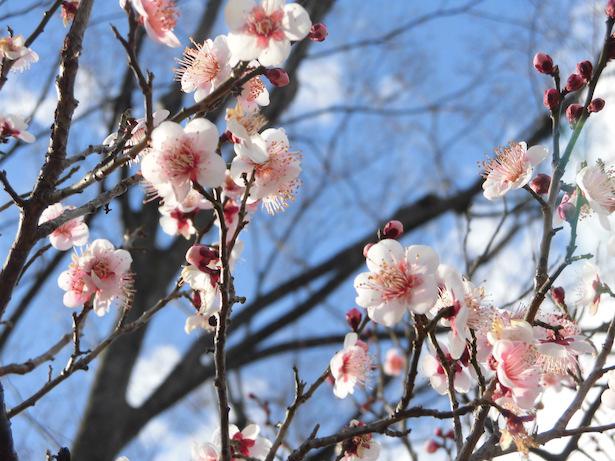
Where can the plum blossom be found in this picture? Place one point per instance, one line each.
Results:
(515, 369)
(138, 131)
(360, 447)
(204, 67)
(176, 218)
(246, 444)
(13, 48)
(399, 279)
(101, 273)
(608, 396)
(159, 18)
(72, 233)
(591, 288)
(276, 169)
(12, 126)
(253, 94)
(244, 124)
(232, 210)
(350, 366)
(264, 30)
(452, 295)
(394, 362)
(432, 368)
(597, 182)
(180, 156)
(512, 168)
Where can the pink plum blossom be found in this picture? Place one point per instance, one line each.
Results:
(264, 30)
(138, 131)
(276, 169)
(512, 168)
(14, 49)
(101, 272)
(361, 447)
(597, 182)
(176, 218)
(350, 366)
(15, 127)
(432, 368)
(180, 156)
(159, 18)
(244, 124)
(246, 444)
(72, 233)
(515, 369)
(399, 279)
(394, 362)
(204, 67)
(253, 94)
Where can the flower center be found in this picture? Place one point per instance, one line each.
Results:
(396, 281)
(164, 11)
(510, 163)
(102, 270)
(265, 26)
(181, 163)
(241, 445)
(253, 88)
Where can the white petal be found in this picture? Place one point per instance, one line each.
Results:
(275, 54)
(296, 22)
(422, 255)
(385, 252)
(536, 154)
(204, 133)
(236, 13)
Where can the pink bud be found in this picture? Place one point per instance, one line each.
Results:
(438, 432)
(432, 446)
(585, 69)
(610, 9)
(318, 32)
(596, 105)
(566, 211)
(544, 63)
(551, 99)
(450, 434)
(278, 77)
(366, 248)
(559, 295)
(392, 230)
(201, 256)
(575, 82)
(574, 112)
(353, 318)
(540, 184)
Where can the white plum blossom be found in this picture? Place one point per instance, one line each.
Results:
(590, 289)
(264, 30)
(159, 17)
(276, 170)
(244, 444)
(597, 183)
(137, 133)
(244, 124)
(608, 396)
(399, 280)
(361, 447)
(432, 368)
(101, 274)
(512, 168)
(176, 218)
(350, 366)
(253, 94)
(72, 233)
(204, 67)
(12, 126)
(13, 48)
(181, 156)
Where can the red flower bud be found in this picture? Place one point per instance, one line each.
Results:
(596, 105)
(585, 69)
(318, 32)
(392, 230)
(540, 184)
(566, 211)
(450, 434)
(278, 77)
(610, 9)
(551, 99)
(353, 318)
(559, 295)
(574, 112)
(432, 446)
(438, 432)
(366, 248)
(575, 82)
(544, 63)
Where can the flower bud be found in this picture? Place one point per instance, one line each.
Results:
(450, 434)
(585, 69)
(596, 105)
(278, 77)
(575, 82)
(551, 99)
(610, 9)
(573, 113)
(392, 230)
(566, 211)
(540, 184)
(318, 32)
(544, 63)
(366, 248)
(438, 432)
(353, 318)
(559, 296)
(432, 446)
